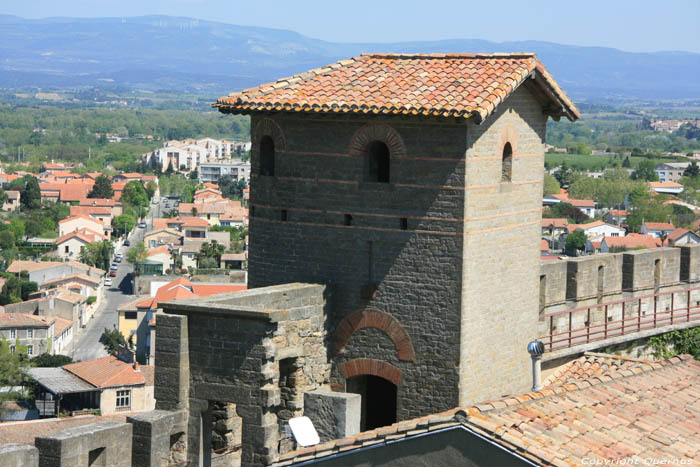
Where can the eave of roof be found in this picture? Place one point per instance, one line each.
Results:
(479, 99)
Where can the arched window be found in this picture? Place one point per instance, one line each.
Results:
(267, 156)
(507, 163)
(377, 162)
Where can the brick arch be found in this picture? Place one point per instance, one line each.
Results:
(377, 132)
(508, 135)
(269, 127)
(370, 366)
(374, 318)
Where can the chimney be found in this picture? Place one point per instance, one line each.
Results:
(536, 349)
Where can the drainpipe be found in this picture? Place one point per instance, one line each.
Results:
(536, 349)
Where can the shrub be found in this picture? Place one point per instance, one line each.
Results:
(91, 299)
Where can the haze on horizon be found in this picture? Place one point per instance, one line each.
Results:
(635, 26)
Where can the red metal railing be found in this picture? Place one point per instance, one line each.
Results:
(631, 321)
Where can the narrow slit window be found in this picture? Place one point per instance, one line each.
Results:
(283, 215)
(378, 163)
(267, 156)
(347, 219)
(403, 222)
(507, 163)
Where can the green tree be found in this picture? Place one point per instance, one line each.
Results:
(7, 239)
(98, 254)
(692, 170)
(565, 176)
(135, 194)
(46, 360)
(3, 197)
(12, 364)
(112, 339)
(686, 341)
(575, 242)
(137, 254)
(645, 171)
(102, 188)
(30, 196)
(151, 188)
(209, 255)
(626, 163)
(123, 223)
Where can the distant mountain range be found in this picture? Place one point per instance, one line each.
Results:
(174, 53)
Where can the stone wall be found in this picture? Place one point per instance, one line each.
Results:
(501, 249)
(231, 349)
(609, 278)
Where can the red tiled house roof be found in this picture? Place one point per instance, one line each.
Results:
(644, 410)
(468, 86)
(106, 372)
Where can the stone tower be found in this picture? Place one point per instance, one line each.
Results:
(411, 186)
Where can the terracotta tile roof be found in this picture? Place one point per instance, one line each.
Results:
(85, 234)
(73, 278)
(61, 325)
(645, 409)
(557, 222)
(107, 371)
(618, 212)
(13, 194)
(160, 223)
(90, 211)
(80, 216)
(92, 175)
(133, 305)
(665, 185)
(98, 202)
(442, 85)
(131, 175)
(189, 221)
(633, 241)
(68, 191)
(182, 288)
(544, 245)
(211, 185)
(24, 320)
(158, 250)
(676, 234)
(68, 296)
(659, 226)
(592, 364)
(579, 203)
(31, 266)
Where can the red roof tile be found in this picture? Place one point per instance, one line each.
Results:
(106, 372)
(659, 226)
(444, 85)
(560, 223)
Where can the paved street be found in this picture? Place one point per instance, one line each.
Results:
(87, 345)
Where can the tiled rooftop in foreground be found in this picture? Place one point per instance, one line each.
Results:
(634, 410)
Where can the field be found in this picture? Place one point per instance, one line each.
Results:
(598, 163)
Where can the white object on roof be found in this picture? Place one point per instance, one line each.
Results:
(304, 432)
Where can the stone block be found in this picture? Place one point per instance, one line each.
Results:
(112, 441)
(18, 455)
(334, 414)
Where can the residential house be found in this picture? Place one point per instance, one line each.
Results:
(238, 260)
(112, 204)
(65, 304)
(598, 229)
(207, 194)
(587, 206)
(544, 247)
(669, 188)
(69, 245)
(670, 171)
(616, 216)
(109, 384)
(76, 283)
(161, 255)
(80, 222)
(682, 236)
(213, 210)
(213, 171)
(97, 213)
(137, 317)
(632, 241)
(13, 201)
(163, 236)
(42, 271)
(657, 229)
(35, 332)
(66, 193)
(127, 177)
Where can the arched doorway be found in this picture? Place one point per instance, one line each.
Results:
(378, 400)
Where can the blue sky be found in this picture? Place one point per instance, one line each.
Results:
(641, 25)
